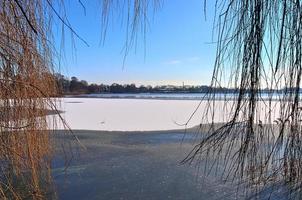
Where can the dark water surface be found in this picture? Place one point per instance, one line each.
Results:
(136, 165)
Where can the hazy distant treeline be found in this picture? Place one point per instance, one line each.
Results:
(74, 85)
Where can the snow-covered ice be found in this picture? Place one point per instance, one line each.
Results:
(126, 114)
(135, 114)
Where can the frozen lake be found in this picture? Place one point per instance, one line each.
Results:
(127, 114)
(141, 114)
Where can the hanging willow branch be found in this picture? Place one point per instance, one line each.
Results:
(27, 88)
(27, 85)
(259, 46)
(259, 49)
(25, 59)
(134, 13)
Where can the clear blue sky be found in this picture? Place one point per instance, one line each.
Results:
(177, 46)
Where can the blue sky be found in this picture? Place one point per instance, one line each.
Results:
(177, 46)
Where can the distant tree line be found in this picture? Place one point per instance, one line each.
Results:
(77, 86)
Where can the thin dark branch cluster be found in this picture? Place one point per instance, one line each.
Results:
(260, 142)
(134, 14)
